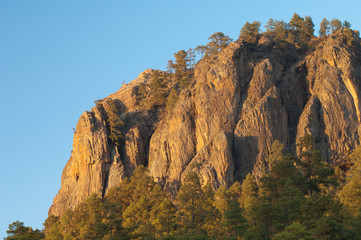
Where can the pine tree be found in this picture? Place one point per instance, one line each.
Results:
(327, 227)
(190, 201)
(308, 27)
(164, 217)
(222, 198)
(270, 26)
(234, 220)
(277, 154)
(212, 216)
(324, 27)
(250, 31)
(218, 42)
(350, 37)
(17, 231)
(183, 83)
(318, 173)
(295, 231)
(52, 228)
(335, 25)
(170, 69)
(201, 50)
(172, 99)
(296, 22)
(137, 215)
(249, 193)
(346, 24)
(157, 88)
(70, 223)
(147, 196)
(249, 202)
(114, 121)
(235, 191)
(180, 66)
(92, 224)
(121, 196)
(180, 69)
(112, 219)
(141, 182)
(191, 57)
(281, 194)
(141, 94)
(276, 28)
(350, 195)
(170, 66)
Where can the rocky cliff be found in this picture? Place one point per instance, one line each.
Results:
(224, 123)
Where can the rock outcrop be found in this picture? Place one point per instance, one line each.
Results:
(223, 125)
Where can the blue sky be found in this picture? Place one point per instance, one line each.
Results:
(57, 57)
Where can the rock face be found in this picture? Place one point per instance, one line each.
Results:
(95, 164)
(224, 123)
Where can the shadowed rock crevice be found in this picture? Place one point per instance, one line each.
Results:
(246, 152)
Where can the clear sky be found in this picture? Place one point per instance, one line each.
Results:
(57, 57)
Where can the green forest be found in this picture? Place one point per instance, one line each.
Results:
(296, 197)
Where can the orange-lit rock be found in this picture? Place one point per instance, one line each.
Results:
(225, 122)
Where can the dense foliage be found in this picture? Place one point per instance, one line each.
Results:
(296, 198)
(17, 231)
(114, 124)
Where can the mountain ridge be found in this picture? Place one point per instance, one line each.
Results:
(223, 125)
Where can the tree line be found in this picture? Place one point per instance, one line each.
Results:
(299, 30)
(165, 86)
(294, 198)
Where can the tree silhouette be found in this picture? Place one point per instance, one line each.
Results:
(335, 25)
(324, 27)
(218, 42)
(250, 31)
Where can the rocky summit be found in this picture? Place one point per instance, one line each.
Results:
(224, 122)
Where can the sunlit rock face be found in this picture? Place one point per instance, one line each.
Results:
(223, 125)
